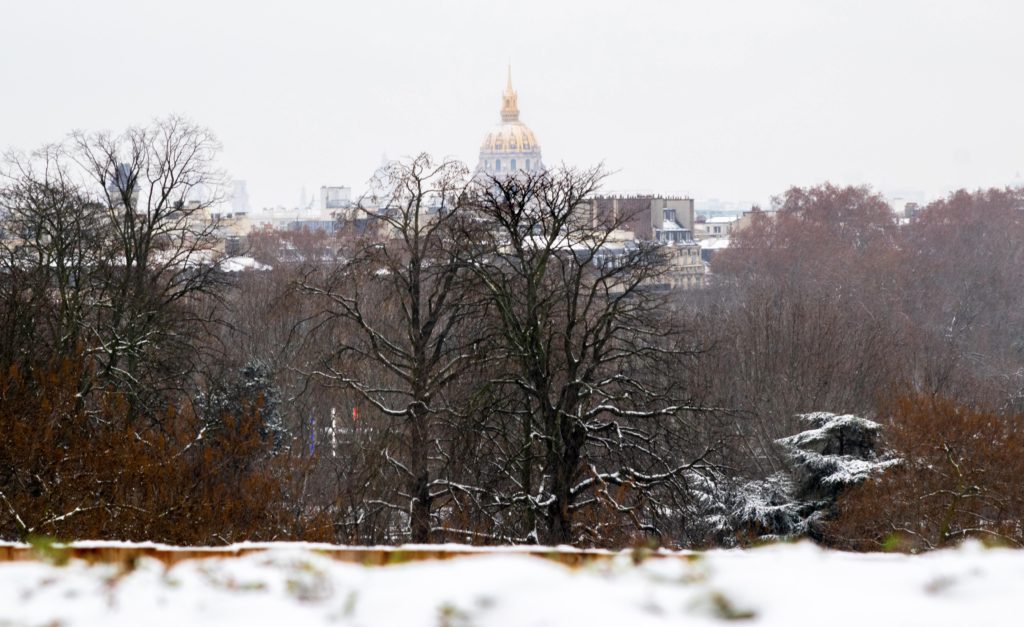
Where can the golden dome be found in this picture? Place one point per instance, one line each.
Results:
(510, 137)
(511, 146)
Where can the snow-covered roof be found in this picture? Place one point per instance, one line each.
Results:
(240, 264)
(714, 243)
(671, 225)
(722, 220)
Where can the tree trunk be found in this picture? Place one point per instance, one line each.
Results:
(563, 465)
(420, 483)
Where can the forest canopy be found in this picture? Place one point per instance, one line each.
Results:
(476, 360)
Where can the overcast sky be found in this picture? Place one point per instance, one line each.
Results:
(719, 99)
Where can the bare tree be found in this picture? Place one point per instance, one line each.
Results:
(805, 317)
(401, 313)
(586, 344)
(963, 266)
(52, 241)
(156, 184)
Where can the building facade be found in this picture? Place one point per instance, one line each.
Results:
(649, 217)
(717, 226)
(664, 219)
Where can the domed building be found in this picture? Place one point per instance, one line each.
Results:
(511, 147)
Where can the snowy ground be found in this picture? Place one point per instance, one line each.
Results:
(776, 585)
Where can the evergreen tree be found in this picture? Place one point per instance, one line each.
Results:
(251, 389)
(836, 452)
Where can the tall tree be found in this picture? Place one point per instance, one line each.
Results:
(806, 315)
(963, 267)
(155, 184)
(52, 238)
(586, 346)
(402, 317)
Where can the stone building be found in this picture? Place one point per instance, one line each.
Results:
(664, 219)
(650, 217)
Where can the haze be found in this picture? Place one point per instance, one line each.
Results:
(731, 100)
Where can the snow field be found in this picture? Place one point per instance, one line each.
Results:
(786, 584)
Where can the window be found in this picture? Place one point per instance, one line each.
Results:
(527, 165)
(497, 165)
(513, 164)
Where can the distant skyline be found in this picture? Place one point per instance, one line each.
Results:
(727, 100)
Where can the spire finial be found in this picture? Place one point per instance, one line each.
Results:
(509, 102)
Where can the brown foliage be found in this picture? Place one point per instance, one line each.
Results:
(963, 262)
(831, 305)
(959, 478)
(74, 472)
(827, 234)
(805, 316)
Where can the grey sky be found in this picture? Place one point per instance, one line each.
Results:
(735, 100)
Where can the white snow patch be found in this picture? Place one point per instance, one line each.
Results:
(242, 264)
(777, 585)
